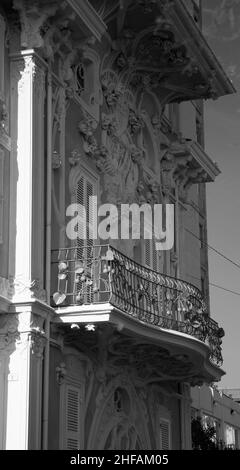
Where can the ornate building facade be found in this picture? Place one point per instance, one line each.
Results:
(100, 341)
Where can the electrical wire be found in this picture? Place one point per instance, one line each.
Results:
(216, 285)
(214, 249)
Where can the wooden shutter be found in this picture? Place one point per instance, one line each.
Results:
(86, 188)
(1, 193)
(151, 255)
(165, 428)
(72, 420)
(80, 199)
(147, 253)
(155, 257)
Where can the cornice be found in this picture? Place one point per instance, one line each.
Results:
(29, 53)
(206, 59)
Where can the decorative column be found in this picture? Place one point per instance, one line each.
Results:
(23, 374)
(22, 342)
(26, 263)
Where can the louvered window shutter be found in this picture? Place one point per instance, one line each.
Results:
(165, 434)
(86, 188)
(72, 439)
(90, 215)
(155, 257)
(151, 255)
(147, 253)
(80, 199)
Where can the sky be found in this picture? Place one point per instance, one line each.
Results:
(221, 21)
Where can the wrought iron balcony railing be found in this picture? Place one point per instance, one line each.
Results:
(99, 274)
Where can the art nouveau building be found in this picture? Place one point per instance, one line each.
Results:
(99, 346)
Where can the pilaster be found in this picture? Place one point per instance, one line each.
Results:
(27, 176)
(22, 342)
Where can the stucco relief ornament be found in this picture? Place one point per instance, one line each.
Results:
(75, 158)
(168, 166)
(104, 162)
(137, 154)
(154, 191)
(135, 122)
(112, 89)
(86, 128)
(3, 117)
(111, 94)
(56, 160)
(109, 124)
(141, 197)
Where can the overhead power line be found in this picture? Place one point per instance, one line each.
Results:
(214, 249)
(216, 285)
(223, 288)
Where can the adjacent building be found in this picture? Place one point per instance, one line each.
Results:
(220, 411)
(101, 339)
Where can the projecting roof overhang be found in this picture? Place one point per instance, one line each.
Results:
(209, 68)
(162, 48)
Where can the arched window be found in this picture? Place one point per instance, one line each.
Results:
(86, 82)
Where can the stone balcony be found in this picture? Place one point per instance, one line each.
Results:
(91, 281)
